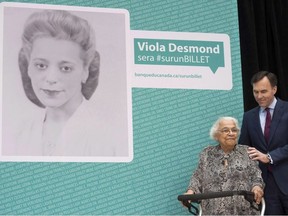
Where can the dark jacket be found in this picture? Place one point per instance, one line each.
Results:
(252, 135)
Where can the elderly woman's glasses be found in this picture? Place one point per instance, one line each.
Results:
(228, 130)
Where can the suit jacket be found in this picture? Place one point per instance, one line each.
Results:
(252, 135)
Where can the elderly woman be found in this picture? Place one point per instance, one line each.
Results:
(59, 66)
(226, 167)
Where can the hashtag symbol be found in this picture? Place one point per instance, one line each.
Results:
(158, 58)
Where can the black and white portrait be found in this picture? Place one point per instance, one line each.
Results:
(66, 92)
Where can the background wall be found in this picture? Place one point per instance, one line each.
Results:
(263, 27)
(170, 127)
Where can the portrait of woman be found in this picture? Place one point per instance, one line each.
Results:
(60, 72)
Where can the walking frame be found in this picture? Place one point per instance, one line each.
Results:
(193, 201)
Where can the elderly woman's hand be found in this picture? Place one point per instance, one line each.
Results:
(188, 192)
(258, 194)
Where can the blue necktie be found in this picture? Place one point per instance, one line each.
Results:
(267, 125)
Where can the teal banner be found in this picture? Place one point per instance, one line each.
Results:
(173, 52)
(166, 70)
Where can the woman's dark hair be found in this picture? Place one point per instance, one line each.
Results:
(59, 24)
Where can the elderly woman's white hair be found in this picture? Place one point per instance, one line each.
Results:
(215, 127)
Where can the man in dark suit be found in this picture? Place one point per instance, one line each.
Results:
(273, 153)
